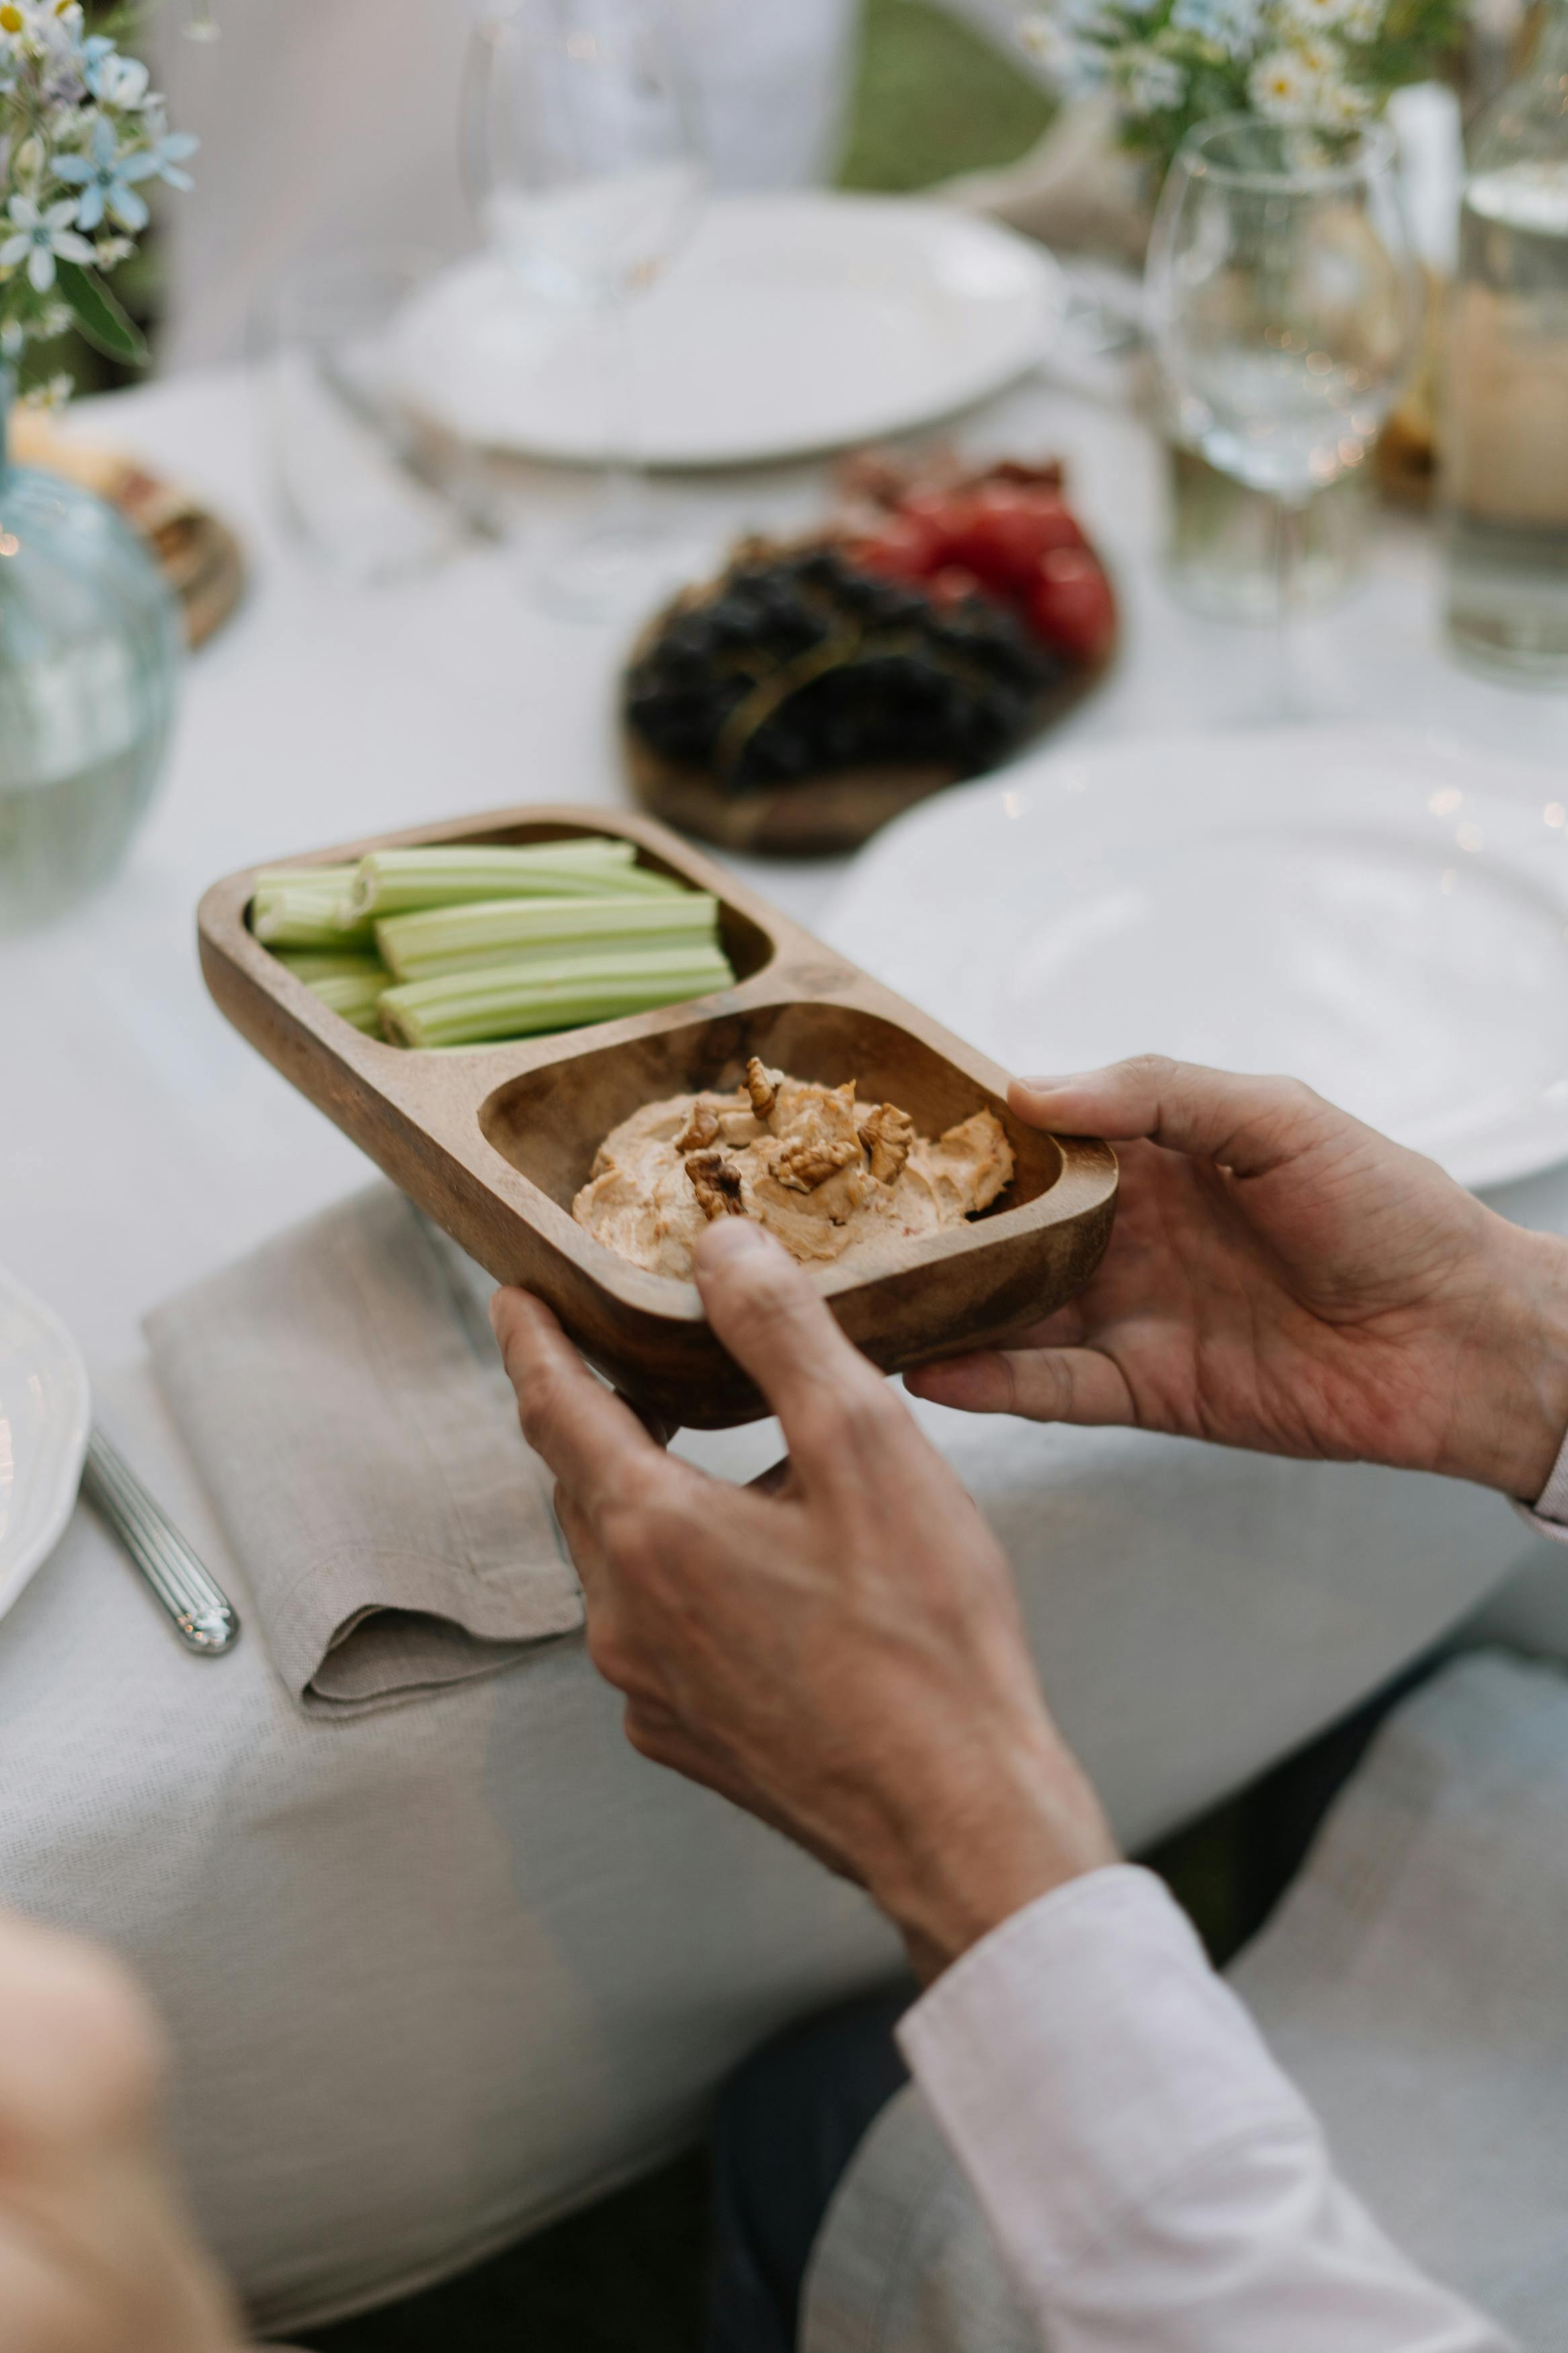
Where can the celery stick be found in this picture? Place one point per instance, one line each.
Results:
(506, 931)
(517, 1000)
(312, 965)
(351, 984)
(305, 916)
(393, 881)
(357, 996)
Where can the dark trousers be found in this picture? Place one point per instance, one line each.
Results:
(788, 2125)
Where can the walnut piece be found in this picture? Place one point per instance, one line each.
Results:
(886, 1136)
(716, 1182)
(700, 1130)
(810, 1157)
(762, 1086)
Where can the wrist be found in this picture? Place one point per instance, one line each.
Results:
(970, 1853)
(1514, 1431)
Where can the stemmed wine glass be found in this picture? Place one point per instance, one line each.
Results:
(1286, 304)
(587, 168)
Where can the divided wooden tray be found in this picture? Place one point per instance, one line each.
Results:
(493, 1144)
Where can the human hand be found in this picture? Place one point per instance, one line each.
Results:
(1283, 1277)
(96, 2255)
(836, 1648)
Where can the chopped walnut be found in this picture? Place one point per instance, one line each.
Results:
(762, 1086)
(700, 1130)
(716, 1182)
(809, 1158)
(887, 1136)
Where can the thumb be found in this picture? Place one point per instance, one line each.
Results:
(776, 1326)
(1250, 1125)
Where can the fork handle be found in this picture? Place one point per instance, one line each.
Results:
(204, 1618)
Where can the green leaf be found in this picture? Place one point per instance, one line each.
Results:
(99, 315)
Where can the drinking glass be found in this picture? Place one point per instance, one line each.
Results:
(1285, 306)
(587, 170)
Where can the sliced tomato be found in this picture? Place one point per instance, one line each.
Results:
(1072, 605)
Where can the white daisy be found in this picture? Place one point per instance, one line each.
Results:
(1282, 88)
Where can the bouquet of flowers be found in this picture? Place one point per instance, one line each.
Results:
(1326, 64)
(81, 135)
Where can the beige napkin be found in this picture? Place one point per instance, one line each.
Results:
(342, 1396)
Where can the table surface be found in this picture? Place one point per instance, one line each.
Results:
(614, 1938)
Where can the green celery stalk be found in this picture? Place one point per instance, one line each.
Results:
(305, 914)
(312, 965)
(394, 881)
(351, 984)
(518, 1001)
(509, 930)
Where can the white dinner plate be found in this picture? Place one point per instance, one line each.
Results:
(1382, 914)
(45, 1409)
(791, 324)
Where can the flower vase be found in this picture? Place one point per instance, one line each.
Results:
(90, 649)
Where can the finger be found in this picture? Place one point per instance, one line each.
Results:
(778, 1478)
(1075, 1385)
(588, 1555)
(78, 2039)
(777, 1328)
(1250, 1125)
(660, 1432)
(589, 1437)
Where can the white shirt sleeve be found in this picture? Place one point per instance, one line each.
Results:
(1549, 1514)
(1156, 2182)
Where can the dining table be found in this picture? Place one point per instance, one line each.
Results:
(437, 1975)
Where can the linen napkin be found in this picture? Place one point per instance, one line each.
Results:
(340, 1394)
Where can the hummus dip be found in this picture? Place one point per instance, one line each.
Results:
(833, 1177)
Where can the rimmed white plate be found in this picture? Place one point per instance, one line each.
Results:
(45, 1409)
(1383, 914)
(792, 324)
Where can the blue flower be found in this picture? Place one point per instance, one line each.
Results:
(107, 179)
(38, 238)
(169, 153)
(114, 80)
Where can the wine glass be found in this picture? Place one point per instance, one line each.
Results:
(1284, 304)
(588, 173)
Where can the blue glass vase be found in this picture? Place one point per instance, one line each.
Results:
(91, 641)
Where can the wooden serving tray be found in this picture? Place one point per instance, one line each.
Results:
(494, 1144)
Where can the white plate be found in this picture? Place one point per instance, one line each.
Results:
(1385, 915)
(792, 323)
(45, 1408)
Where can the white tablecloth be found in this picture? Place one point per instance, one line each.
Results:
(438, 1974)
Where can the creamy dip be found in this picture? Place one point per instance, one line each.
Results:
(833, 1177)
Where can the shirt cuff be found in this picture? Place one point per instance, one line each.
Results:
(1548, 1516)
(1081, 2058)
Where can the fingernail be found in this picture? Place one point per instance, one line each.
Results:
(730, 1238)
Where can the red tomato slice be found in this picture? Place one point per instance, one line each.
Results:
(1072, 604)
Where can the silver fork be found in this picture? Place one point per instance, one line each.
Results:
(204, 1618)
